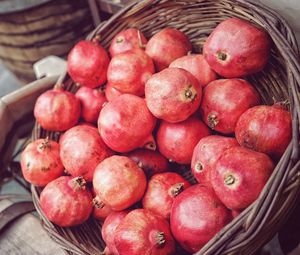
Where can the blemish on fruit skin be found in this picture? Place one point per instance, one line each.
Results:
(27, 166)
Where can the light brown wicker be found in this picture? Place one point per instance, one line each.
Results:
(279, 81)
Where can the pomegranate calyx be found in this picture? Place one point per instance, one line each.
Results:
(212, 120)
(45, 144)
(160, 238)
(198, 167)
(177, 189)
(97, 203)
(78, 183)
(229, 180)
(119, 40)
(190, 94)
(221, 56)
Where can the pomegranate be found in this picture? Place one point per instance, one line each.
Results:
(40, 162)
(224, 101)
(235, 213)
(206, 153)
(166, 46)
(92, 101)
(57, 110)
(87, 64)
(66, 201)
(111, 93)
(162, 190)
(119, 182)
(196, 216)
(129, 71)
(142, 232)
(108, 231)
(173, 94)
(266, 129)
(176, 141)
(101, 210)
(240, 175)
(81, 150)
(128, 39)
(152, 162)
(237, 48)
(126, 123)
(197, 66)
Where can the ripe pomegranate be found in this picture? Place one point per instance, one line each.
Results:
(101, 210)
(173, 94)
(126, 123)
(244, 50)
(197, 66)
(66, 201)
(206, 153)
(128, 39)
(40, 162)
(129, 71)
(240, 175)
(162, 190)
(111, 93)
(81, 150)
(92, 101)
(224, 101)
(166, 46)
(176, 141)
(87, 64)
(142, 232)
(266, 129)
(119, 182)
(108, 231)
(196, 216)
(152, 162)
(57, 110)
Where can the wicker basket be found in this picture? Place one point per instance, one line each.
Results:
(279, 81)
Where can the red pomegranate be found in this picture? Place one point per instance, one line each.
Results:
(206, 153)
(66, 201)
(87, 64)
(91, 101)
(197, 66)
(152, 162)
(108, 231)
(101, 210)
(40, 162)
(126, 123)
(266, 129)
(224, 101)
(161, 192)
(111, 93)
(237, 48)
(166, 46)
(128, 39)
(142, 232)
(196, 216)
(119, 182)
(81, 150)
(173, 94)
(129, 71)
(240, 175)
(57, 110)
(176, 141)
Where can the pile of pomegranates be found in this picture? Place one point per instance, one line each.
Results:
(160, 108)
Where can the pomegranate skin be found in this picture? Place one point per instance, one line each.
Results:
(173, 94)
(176, 141)
(57, 110)
(40, 162)
(66, 201)
(81, 150)
(166, 46)
(128, 72)
(126, 123)
(224, 101)
(142, 232)
(91, 101)
(126, 40)
(196, 216)
(109, 228)
(205, 155)
(87, 64)
(266, 129)
(240, 175)
(161, 192)
(119, 182)
(197, 66)
(111, 93)
(152, 162)
(236, 48)
(101, 210)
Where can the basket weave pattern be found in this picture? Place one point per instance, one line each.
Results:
(279, 81)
